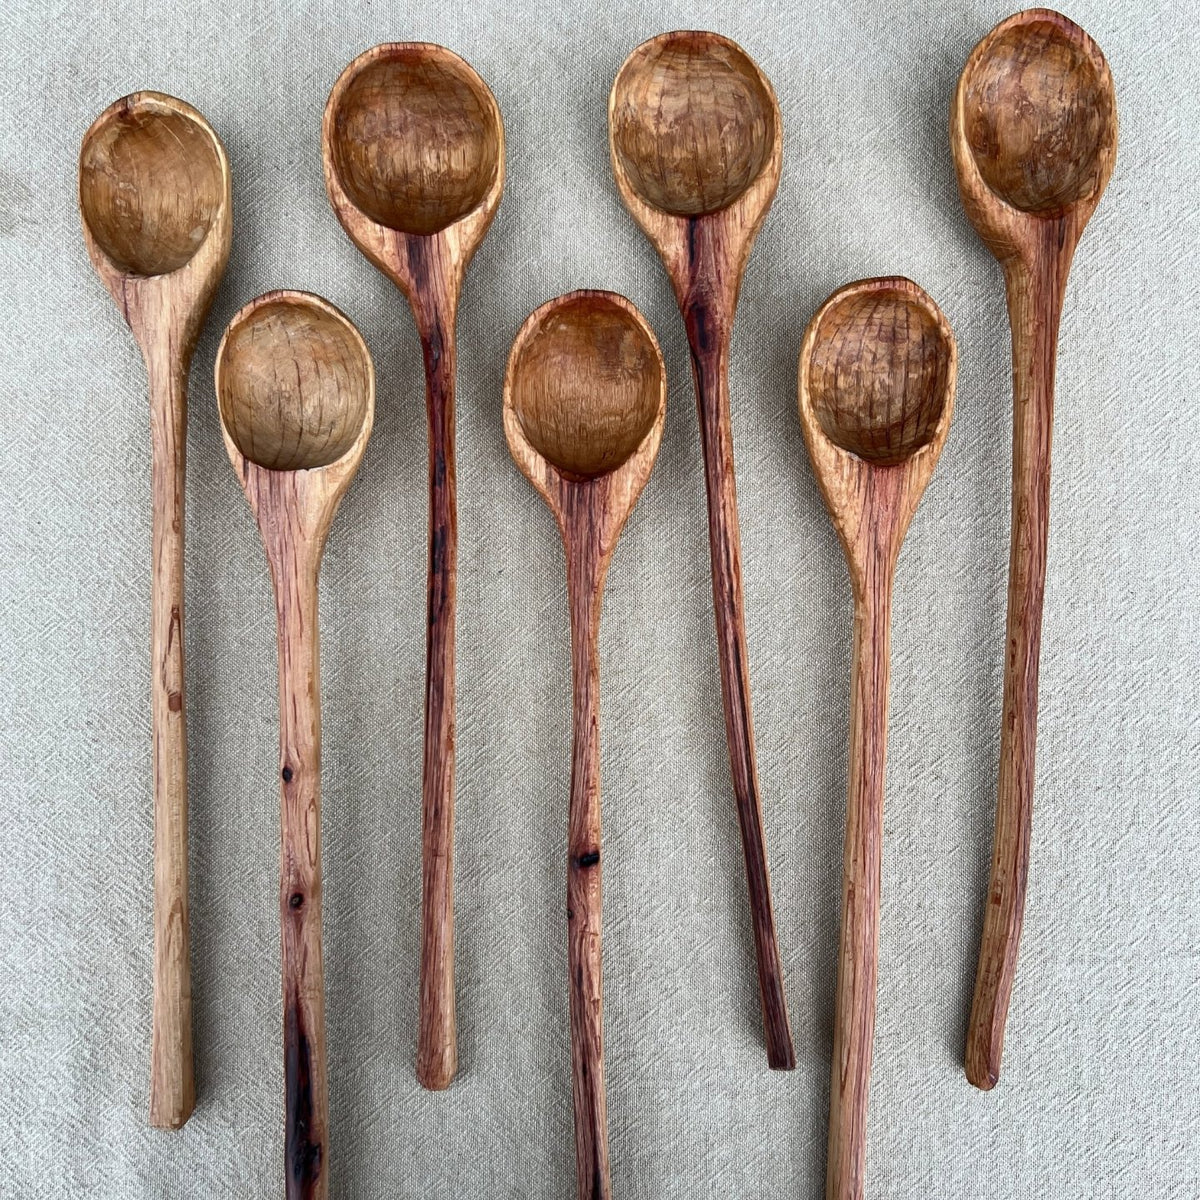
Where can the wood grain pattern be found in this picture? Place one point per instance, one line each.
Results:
(296, 391)
(696, 142)
(584, 401)
(876, 392)
(413, 147)
(154, 195)
(1033, 129)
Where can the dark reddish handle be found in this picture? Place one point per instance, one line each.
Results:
(437, 1053)
(710, 368)
(1035, 303)
(584, 899)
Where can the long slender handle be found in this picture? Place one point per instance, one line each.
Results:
(858, 952)
(584, 900)
(306, 1126)
(437, 1052)
(1035, 305)
(172, 1083)
(710, 364)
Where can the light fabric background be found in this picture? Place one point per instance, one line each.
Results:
(1098, 1096)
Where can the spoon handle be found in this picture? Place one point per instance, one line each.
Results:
(584, 902)
(858, 951)
(305, 1082)
(1035, 296)
(710, 366)
(172, 1084)
(434, 302)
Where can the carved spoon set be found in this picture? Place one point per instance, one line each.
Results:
(413, 150)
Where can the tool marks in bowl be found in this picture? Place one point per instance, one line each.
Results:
(586, 386)
(1039, 115)
(416, 138)
(292, 383)
(151, 184)
(877, 374)
(693, 122)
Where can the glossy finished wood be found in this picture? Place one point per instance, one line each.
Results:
(1033, 129)
(413, 146)
(296, 392)
(154, 195)
(696, 142)
(584, 401)
(876, 387)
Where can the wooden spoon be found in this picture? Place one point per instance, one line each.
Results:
(414, 164)
(877, 372)
(1033, 128)
(697, 143)
(584, 400)
(154, 193)
(296, 391)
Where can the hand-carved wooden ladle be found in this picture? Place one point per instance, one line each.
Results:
(414, 164)
(1033, 129)
(877, 374)
(584, 399)
(296, 391)
(697, 143)
(154, 193)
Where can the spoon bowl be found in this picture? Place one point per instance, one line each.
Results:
(876, 393)
(154, 200)
(585, 384)
(293, 384)
(1033, 126)
(877, 372)
(152, 183)
(693, 122)
(415, 137)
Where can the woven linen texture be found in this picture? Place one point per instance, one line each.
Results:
(1097, 1097)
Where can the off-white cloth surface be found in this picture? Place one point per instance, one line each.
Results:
(1098, 1095)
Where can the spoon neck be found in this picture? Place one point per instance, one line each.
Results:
(1035, 284)
(706, 286)
(431, 282)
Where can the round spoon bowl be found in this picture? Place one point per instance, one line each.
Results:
(693, 122)
(1039, 113)
(151, 183)
(415, 136)
(294, 379)
(586, 383)
(879, 372)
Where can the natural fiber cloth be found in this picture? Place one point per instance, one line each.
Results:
(1098, 1095)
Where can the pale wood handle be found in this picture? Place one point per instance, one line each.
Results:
(858, 952)
(710, 366)
(1035, 305)
(305, 1080)
(584, 898)
(437, 1051)
(172, 1082)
